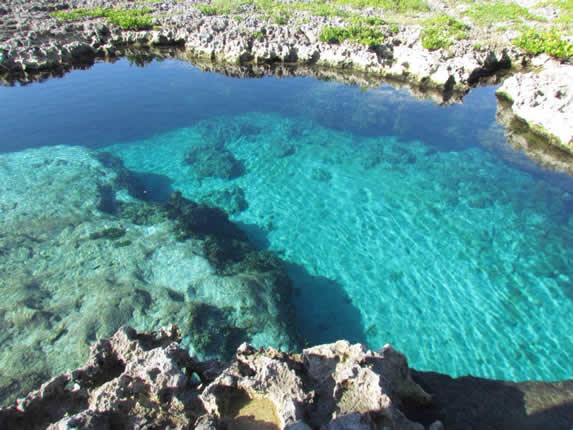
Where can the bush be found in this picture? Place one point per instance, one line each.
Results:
(394, 5)
(364, 35)
(549, 42)
(441, 31)
(129, 19)
(500, 11)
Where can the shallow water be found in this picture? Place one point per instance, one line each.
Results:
(400, 221)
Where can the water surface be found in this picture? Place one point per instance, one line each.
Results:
(398, 219)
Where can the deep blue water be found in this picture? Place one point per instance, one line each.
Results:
(398, 219)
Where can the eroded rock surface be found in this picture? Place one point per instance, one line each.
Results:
(544, 101)
(137, 380)
(33, 43)
(36, 41)
(147, 380)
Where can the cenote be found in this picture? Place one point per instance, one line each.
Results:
(399, 221)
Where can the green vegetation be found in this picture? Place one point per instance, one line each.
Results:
(280, 17)
(281, 12)
(365, 35)
(77, 14)
(394, 29)
(366, 20)
(258, 35)
(549, 42)
(129, 19)
(565, 8)
(441, 31)
(393, 5)
(315, 8)
(209, 10)
(500, 11)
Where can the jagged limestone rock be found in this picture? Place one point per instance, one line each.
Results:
(134, 380)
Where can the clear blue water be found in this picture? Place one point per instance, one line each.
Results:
(400, 221)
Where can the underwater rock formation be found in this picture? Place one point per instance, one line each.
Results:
(231, 199)
(213, 161)
(136, 380)
(80, 256)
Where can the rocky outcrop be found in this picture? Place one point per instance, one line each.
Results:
(525, 137)
(136, 380)
(48, 44)
(543, 101)
(146, 380)
(33, 43)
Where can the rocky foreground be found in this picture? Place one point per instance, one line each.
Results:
(146, 380)
(34, 43)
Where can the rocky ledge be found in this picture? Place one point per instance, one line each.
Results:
(33, 41)
(543, 100)
(146, 380)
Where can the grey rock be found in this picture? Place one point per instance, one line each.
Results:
(544, 99)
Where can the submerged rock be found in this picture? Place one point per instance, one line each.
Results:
(135, 380)
(208, 161)
(74, 270)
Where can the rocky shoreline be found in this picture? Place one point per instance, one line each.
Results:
(33, 43)
(146, 380)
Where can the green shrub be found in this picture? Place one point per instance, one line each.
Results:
(209, 10)
(223, 7)
(129, 19)
(364, 35)
(441, 31)
(317, 8)
(394, 5)
(333, 34)
(77, 14)
(500, 11)
(369, 20)
(280, 17)
(549, 42)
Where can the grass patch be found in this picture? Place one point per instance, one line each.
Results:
(364, 35)
(361, 29)
(565, 8)
(316, 8)
(258, 35)
(272, 7)
(394, 5)
(77, 14)
(549, 42)
(129, 19)
(500, 11)
(441, 31)
(366, 20)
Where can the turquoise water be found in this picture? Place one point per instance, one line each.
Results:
(400, 221)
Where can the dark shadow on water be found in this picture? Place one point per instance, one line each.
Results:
(152, 187)
(256, 234)
(477, 403)
(325, 312)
